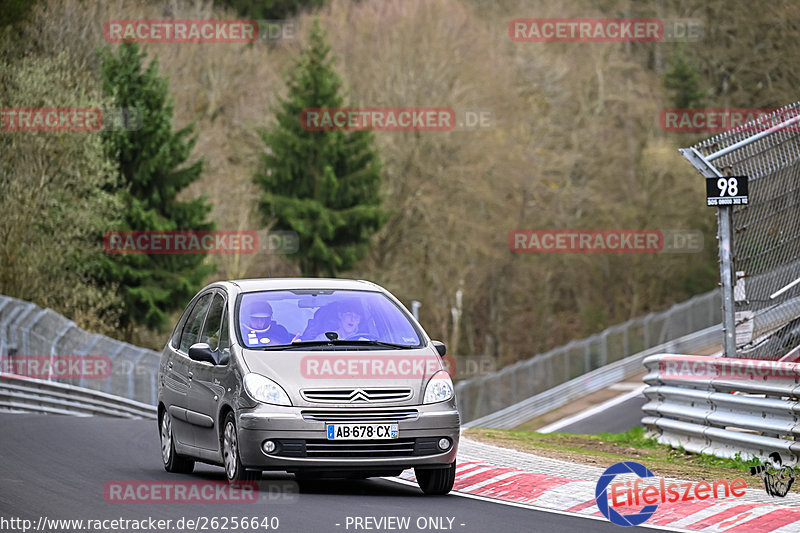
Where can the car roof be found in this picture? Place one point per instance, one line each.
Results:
(265, 284)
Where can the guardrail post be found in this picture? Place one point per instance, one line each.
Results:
(604, 349)
(625, 346)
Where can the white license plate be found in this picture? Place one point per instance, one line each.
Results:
(362, 431)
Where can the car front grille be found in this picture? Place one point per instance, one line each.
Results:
(371, 395)
(359, 415)
(321, 448)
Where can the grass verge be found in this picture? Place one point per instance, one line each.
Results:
(605, 449)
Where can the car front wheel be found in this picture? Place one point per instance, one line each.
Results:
(436, 481)
(230, 454)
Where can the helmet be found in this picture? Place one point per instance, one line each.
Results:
(258, 315)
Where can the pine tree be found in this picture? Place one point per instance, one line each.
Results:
(152, 172)
(324, 185)
(683, 78)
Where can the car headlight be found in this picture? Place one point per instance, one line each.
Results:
(439, 388)
(265, 390)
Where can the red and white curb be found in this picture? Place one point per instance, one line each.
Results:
(564, 494)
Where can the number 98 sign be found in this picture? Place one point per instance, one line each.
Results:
(730, 190)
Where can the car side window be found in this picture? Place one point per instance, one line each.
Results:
(210, 333)
(175, 339)
(224, 341)
(195, 321)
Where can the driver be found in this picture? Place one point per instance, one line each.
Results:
(260, 330)
(349, 319)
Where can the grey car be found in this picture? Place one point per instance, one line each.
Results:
(318, 377)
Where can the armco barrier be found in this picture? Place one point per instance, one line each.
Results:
(28, 330)
(485, 395)
(40, 396)
(724, 406)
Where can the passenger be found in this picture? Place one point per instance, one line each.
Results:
(259, 329)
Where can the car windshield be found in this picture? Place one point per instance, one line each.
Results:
(280, 318)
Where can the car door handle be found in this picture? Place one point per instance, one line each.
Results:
(190, 375)
(169, 364)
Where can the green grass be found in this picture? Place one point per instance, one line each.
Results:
(633, 437)
(608, 448)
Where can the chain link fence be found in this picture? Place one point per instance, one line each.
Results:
(37, 338)
(766, 232)
(481, 396)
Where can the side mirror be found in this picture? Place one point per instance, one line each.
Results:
(440, 348)
(202, 352)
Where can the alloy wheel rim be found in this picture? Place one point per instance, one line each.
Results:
(229, 446)
(166, 438)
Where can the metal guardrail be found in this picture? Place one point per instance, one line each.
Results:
(724, 406)
(601, 378)
(482, 396)
(40, 396)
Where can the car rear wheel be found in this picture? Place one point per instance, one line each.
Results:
(436, 481)
(234, 470)
(172, 461)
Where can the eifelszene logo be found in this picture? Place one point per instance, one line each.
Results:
(600, 495)
(633, 494)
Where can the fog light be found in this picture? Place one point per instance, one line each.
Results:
(268, 446)
(444, 444)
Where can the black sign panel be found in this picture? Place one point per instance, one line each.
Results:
(729, 190)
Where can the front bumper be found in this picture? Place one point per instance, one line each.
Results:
(303, 445)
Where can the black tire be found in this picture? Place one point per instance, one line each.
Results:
(231, 460)
(436, 481)
(177, 464)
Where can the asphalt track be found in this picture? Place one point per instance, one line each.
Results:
(56, 467)
(616, 419)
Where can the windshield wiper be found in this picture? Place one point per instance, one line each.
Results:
(338, 342)
(377, 343)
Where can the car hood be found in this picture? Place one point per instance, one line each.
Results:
(333, 378)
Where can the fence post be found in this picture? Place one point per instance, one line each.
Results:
(725, 238)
